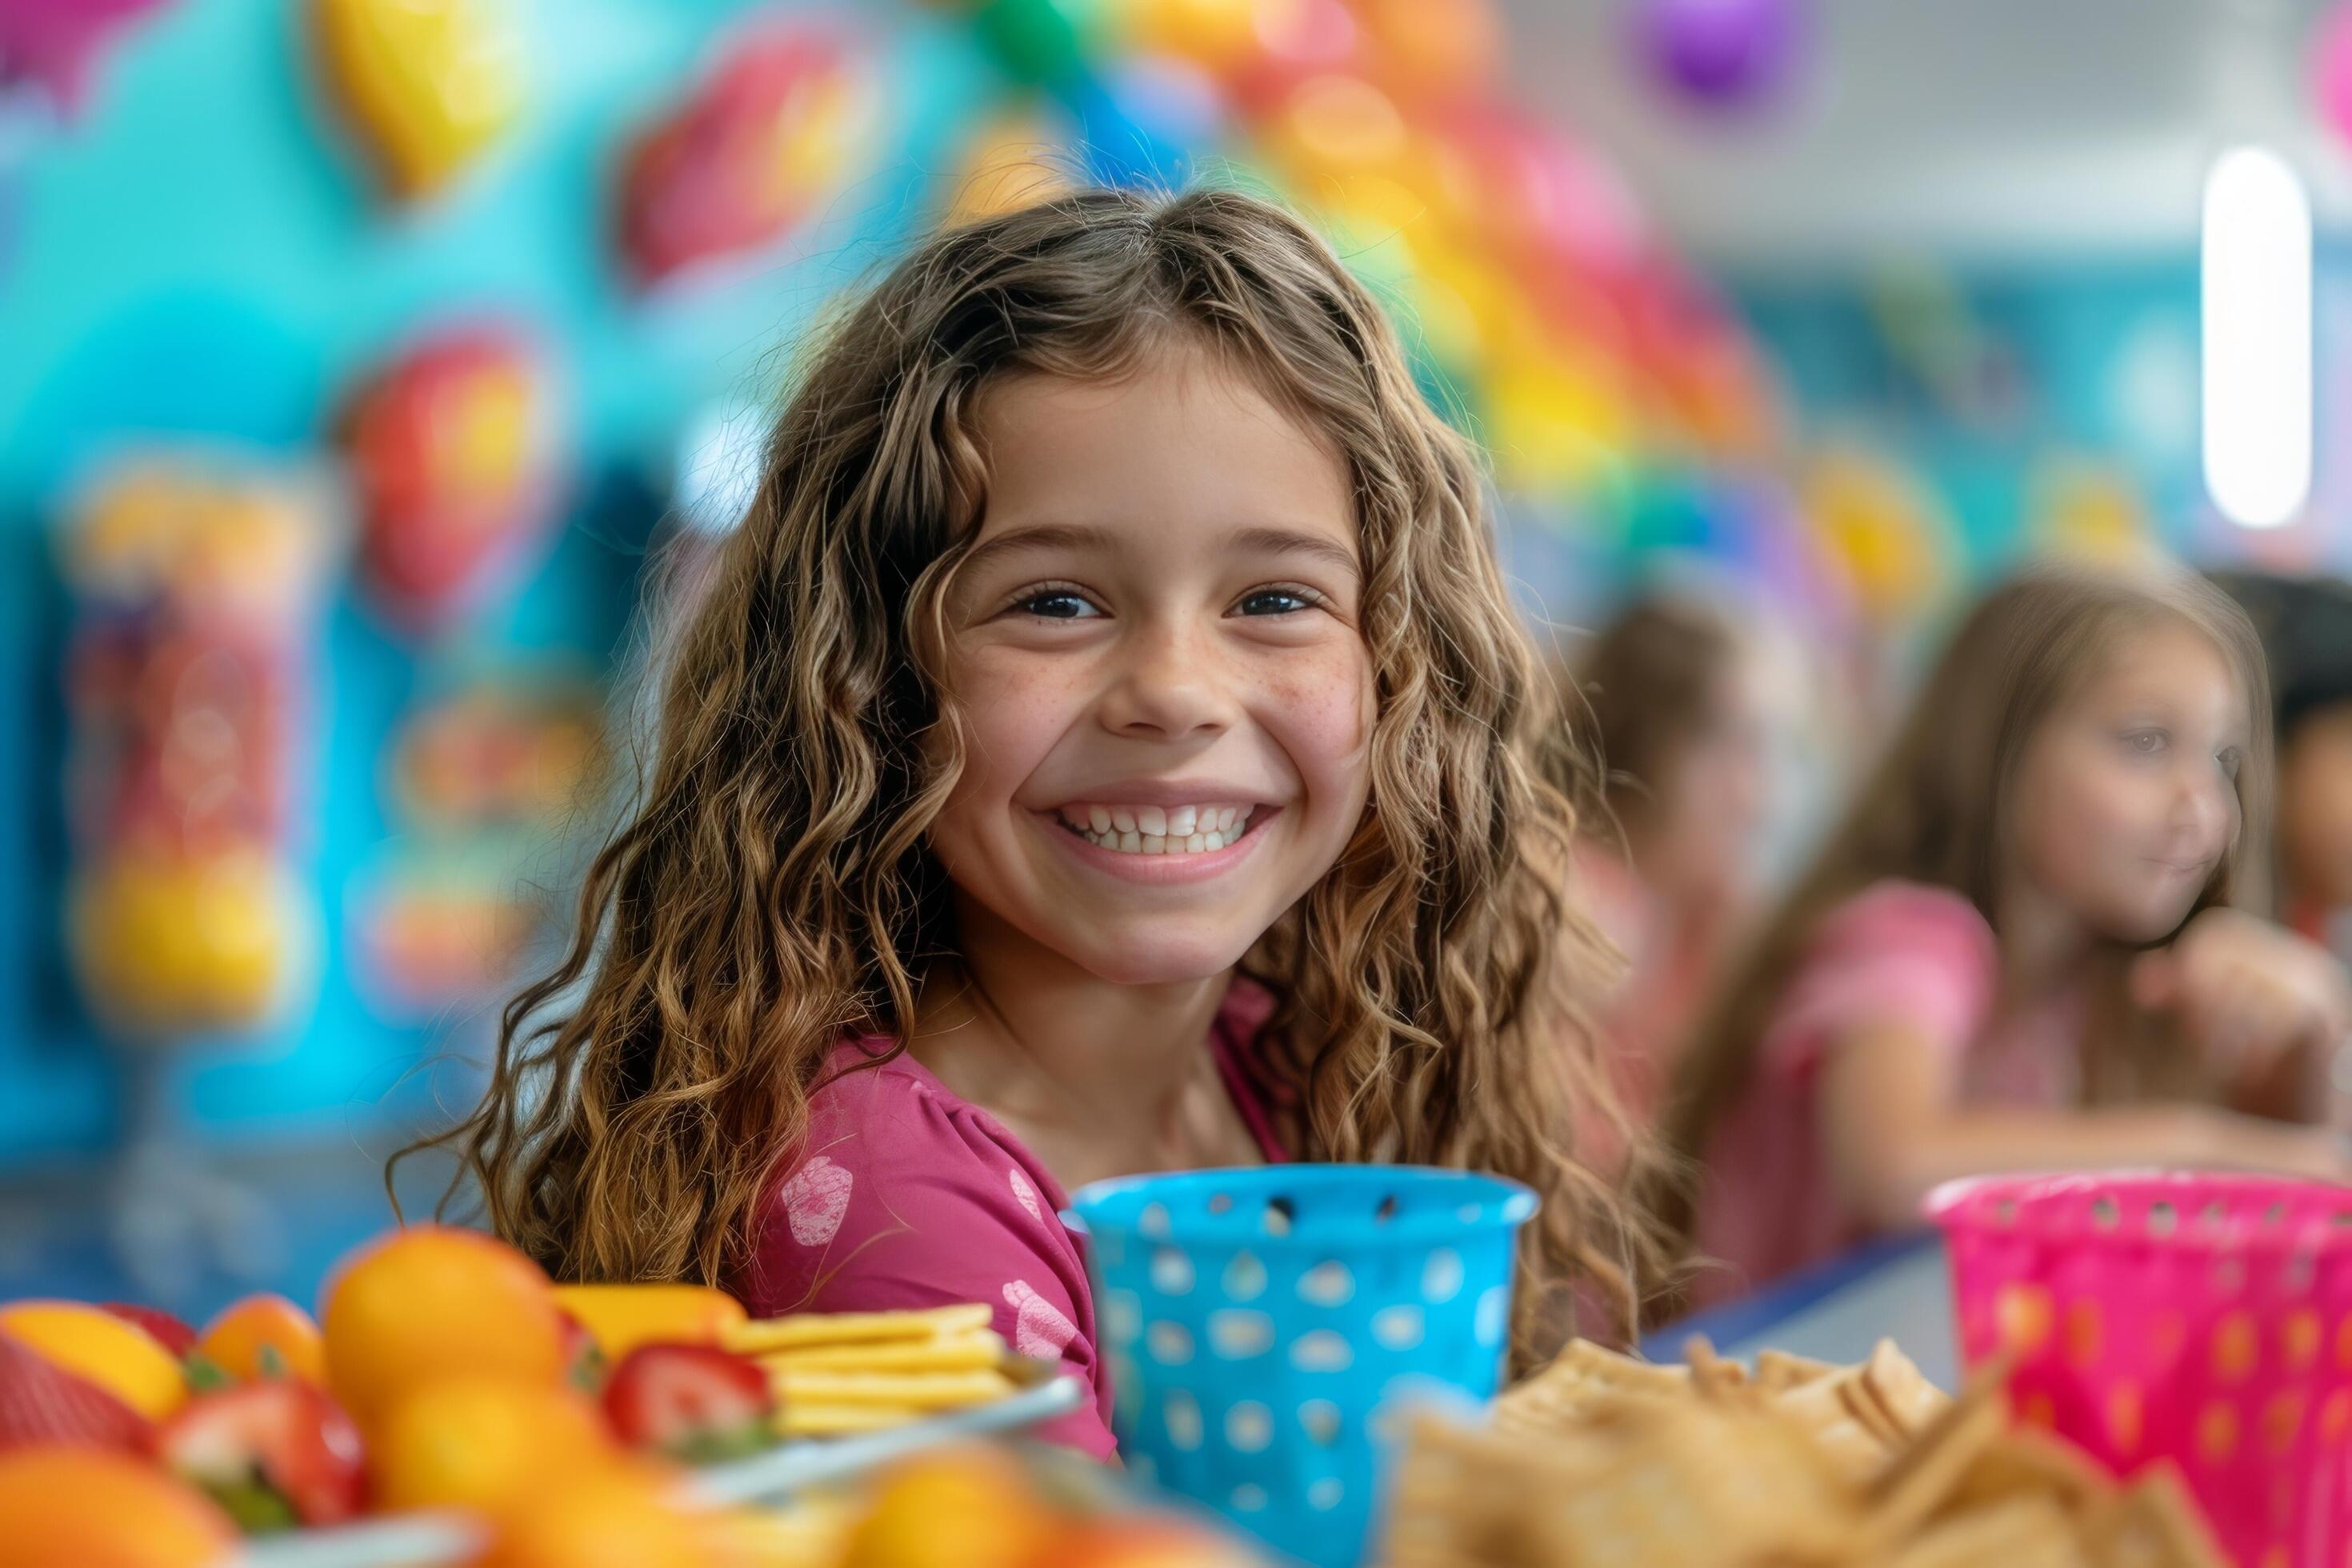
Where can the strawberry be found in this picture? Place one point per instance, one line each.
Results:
(696, 1403)
(274, 1454)
(168, 1330)
(40, 1401)
(583, 1359)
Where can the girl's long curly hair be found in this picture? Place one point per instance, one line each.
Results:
(770, 889)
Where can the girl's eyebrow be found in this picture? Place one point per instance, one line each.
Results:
(1261, 541)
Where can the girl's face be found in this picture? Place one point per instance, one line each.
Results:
(1154, 640)
(1713, 803)
(2127, 796)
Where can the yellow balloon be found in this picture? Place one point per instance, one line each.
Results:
(1011, 162)
(2090, 510)
(1219, 34)
(432, 84)
(169, 945)
(1557, 423)
(1879, 525)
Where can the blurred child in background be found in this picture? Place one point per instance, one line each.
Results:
(2306, 628)
(2017, 952)
(1682, 717)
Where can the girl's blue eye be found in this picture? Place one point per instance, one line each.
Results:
(2230, 761)
(1056, 604)
(1274, 602)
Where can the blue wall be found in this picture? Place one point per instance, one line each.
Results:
(203, 255)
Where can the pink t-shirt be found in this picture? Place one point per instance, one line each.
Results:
(911, 1197)
(1898, 953)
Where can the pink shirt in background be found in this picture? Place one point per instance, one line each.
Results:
(911, 1197)
(1897, 953)
(1644, 1023)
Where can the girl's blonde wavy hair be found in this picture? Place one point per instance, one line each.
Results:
(771, 889)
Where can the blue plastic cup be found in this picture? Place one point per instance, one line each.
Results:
(1262, 1327)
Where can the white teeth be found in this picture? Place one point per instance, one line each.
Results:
(1159, 830)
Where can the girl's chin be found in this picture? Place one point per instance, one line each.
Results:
(1142, 962)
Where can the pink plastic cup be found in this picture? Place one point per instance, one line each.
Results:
(2204, 1319)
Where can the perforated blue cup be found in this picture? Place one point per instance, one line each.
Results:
(1261, 1328)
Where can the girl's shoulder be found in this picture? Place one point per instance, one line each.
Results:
(1895, 913)
(892, 1152)
(1901, 951)
(904, 1196)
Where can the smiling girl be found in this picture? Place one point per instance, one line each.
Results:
(2019, 953)
(1107, 747)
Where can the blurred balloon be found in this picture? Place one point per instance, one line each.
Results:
(1720, 55)
(1145, 122)
(1434, 48)
(1330, 127)
(1880, 526)
(53, 45)
(453, 449)
(1221, 35)
(1556, 424)
(167, 946)
(2331, 68)
(784, 117)
(1044, 43)
(431, 85)
(2087, 507)
(1013, 161)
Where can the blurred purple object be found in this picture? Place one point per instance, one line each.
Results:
(1720, 54)
(2331, 70)
(54, 42)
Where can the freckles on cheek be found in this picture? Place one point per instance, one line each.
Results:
(1331, 708)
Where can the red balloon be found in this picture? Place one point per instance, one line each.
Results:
(748, 154)
(452, 450)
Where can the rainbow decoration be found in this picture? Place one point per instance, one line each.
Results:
(1540, 308)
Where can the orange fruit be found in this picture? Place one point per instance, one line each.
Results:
(620, 1318)
(92, 1342)
(958, 1507)
(620, 1518)
(483, 1442)
(251, 1336)
(79, 1508)
(435, 1301)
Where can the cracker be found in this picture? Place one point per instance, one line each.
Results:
(897, 1390)
(2024, 1531)
(2151, 1525)
(978, 1351)
(853, 1328)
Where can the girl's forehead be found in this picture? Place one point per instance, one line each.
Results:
(1177, 441)
(2168, 661)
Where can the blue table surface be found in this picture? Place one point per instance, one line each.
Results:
(1897, 1288)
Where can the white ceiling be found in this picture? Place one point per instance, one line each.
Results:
(1974, 127)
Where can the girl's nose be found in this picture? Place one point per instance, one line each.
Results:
(1170, 685)
(2205, 807)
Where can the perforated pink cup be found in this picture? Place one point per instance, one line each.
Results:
(2204, 1319)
